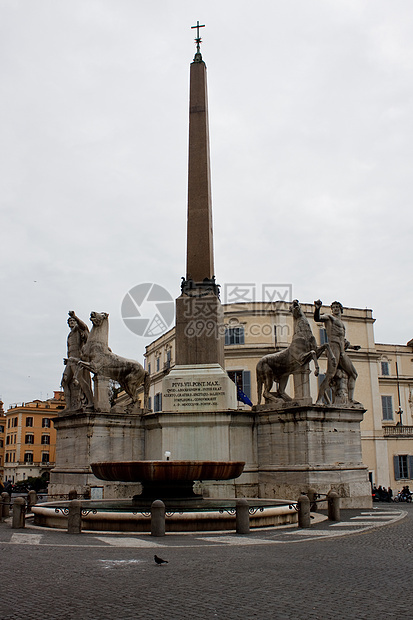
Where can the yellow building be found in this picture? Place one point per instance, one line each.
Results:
(30, 438)
(384, 384)
(2, 439)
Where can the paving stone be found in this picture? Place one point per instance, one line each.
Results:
(363, 574)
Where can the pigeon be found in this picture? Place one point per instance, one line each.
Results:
(159, 561)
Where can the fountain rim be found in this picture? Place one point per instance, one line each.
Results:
(177, 470)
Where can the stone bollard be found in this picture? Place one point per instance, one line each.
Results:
(312, 496)
(31, 500)
(304, 517)
(74, 520)
(72, 494)
(242, 518)
(4, 506)
(19, 510)
(333, 501)
(158, 518)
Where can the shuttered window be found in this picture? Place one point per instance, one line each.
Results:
(387, 407)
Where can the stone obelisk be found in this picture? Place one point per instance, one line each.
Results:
(200, 327)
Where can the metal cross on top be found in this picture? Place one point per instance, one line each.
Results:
(198, 39)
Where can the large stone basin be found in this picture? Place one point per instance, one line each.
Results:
(167, 471)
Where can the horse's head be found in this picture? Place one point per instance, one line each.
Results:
(295, 308)
(98, 318)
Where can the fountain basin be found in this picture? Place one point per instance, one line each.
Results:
(167, 471)
(162, 479)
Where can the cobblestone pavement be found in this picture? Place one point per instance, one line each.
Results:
(360, 568)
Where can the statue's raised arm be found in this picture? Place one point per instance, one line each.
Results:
(320, 318)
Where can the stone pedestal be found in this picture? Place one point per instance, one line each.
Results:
(205, 387)
(200, 330)
(320, 447)
(209, 436)
(84, 438)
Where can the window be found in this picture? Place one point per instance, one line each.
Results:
(385, 369)
(234, 335)
(168, 359)
(387, 407)
(158, 361)
(8, 423)
(46, 423)
(1, 428)
(157, 404)
(28, 457)
(149, 367)
(403, 466)
(45, 457)
(45, 439)
(7, 457)
(323, 336)
(8, 442)
(149, 402)
(29, 439)
(29, 422)
(15, 420)
(242, 379)
(1, 443)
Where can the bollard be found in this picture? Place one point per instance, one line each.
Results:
(158, 518)
(5, 500)
(31, 500)
(333, 500)
(304, 517)
(242, 518)
(312, 496)
(72, 494)
(74, 520)
(19, 509)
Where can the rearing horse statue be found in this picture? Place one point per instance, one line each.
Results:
(279, 366)
(99, 359)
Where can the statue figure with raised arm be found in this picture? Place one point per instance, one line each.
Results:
(336, 337)
(76, 381)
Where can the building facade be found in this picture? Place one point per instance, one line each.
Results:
(30, 438)
(2, 439)
(384, 384)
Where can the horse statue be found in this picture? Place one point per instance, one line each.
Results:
(99, 359)
(279, 366)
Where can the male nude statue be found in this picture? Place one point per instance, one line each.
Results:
(76, 380)
(336, 337)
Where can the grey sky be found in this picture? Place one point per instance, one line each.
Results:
(310, 123)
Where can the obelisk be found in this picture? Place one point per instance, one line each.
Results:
(200, 251)
(199, 315)
(200, 330)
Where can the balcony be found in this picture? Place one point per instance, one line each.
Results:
(398, 431)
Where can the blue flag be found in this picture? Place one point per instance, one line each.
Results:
(243, 397)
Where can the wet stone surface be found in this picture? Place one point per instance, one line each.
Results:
(358, 568)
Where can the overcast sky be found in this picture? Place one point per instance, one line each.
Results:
(310, 105)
